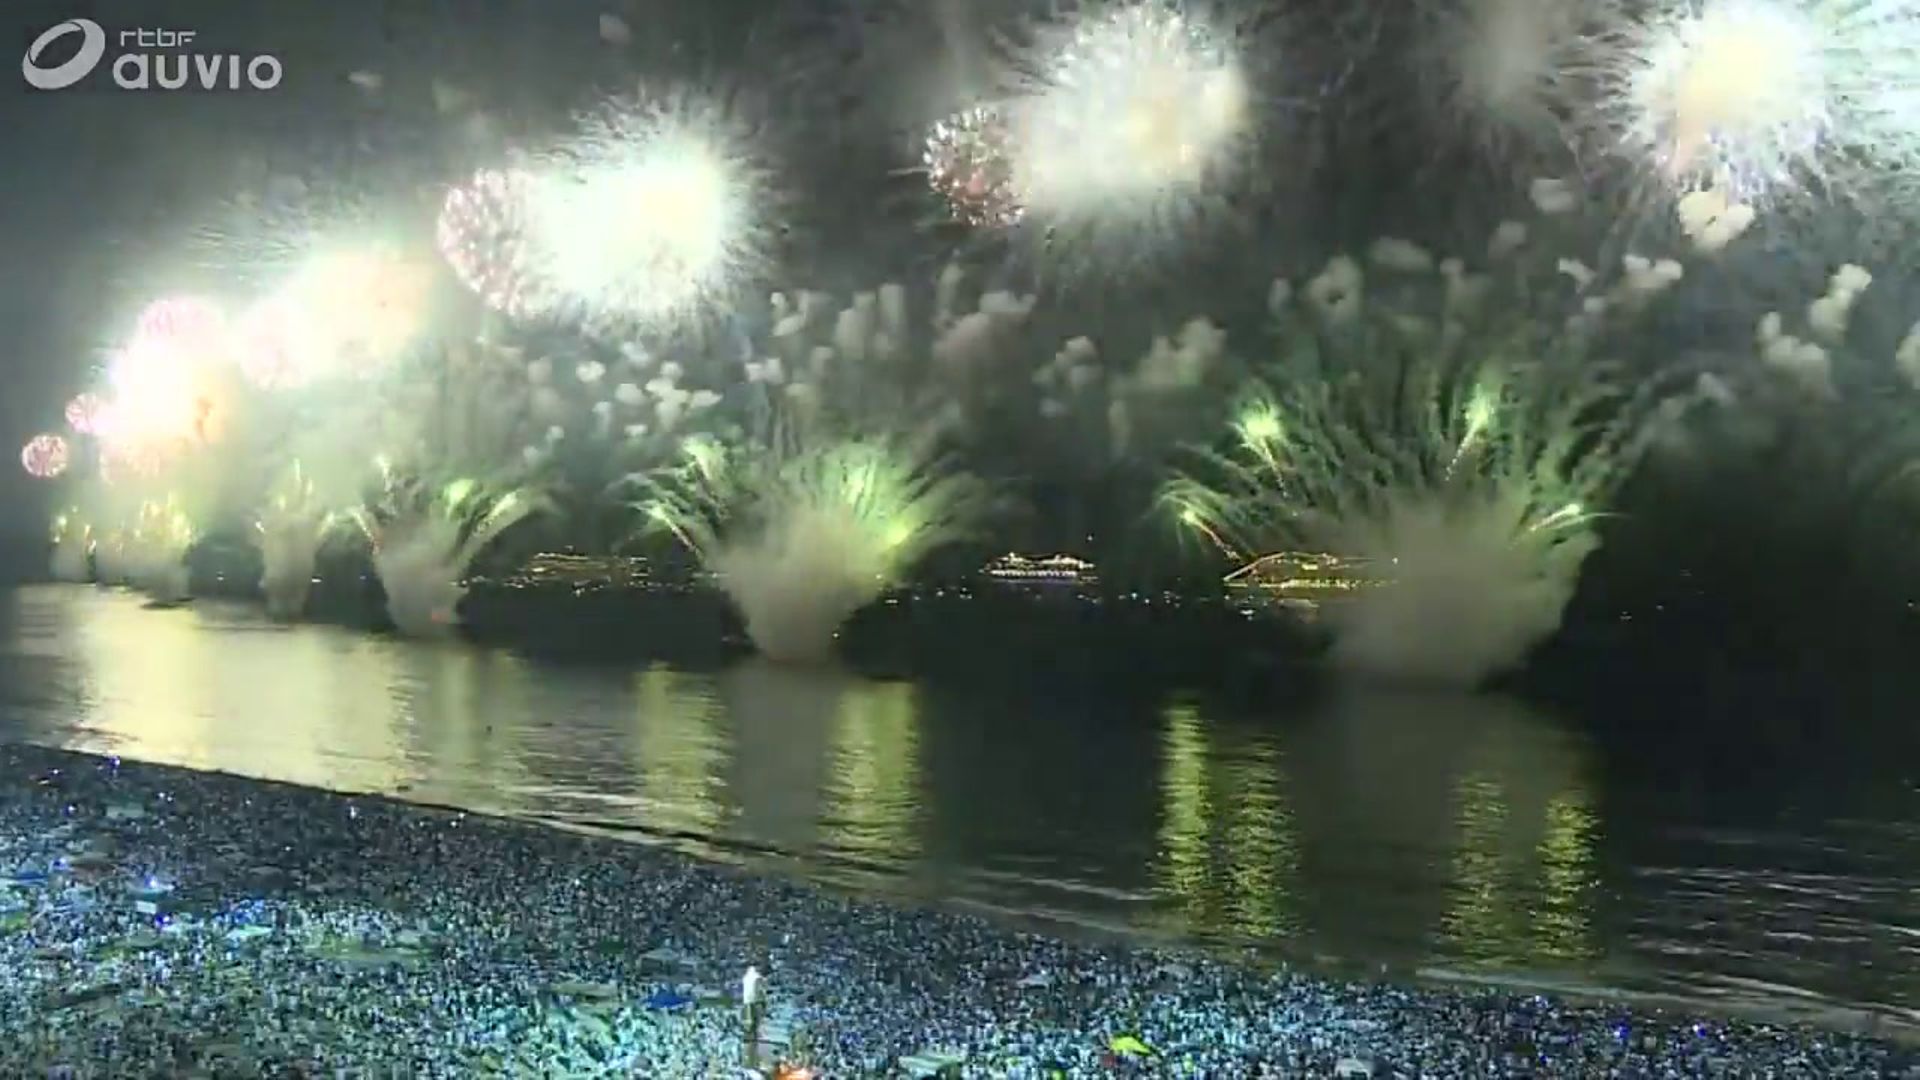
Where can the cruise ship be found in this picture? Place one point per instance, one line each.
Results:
(582, 573)
(1301, 582)
(1048, 571)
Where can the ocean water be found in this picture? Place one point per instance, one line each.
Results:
(1696, 844)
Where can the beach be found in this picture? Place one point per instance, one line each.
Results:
(156, 921)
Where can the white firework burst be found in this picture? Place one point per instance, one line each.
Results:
(1135, 115)
(1759, 97)
(655, 211)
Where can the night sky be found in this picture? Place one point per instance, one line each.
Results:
(106, 186)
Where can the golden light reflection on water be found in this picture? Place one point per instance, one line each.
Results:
(1563, 925)
(824, 758)
(160, 686)
(680, 751)
(781, 718)
(1524, 877)
(873, 801)
(450, 700)
(1186, 830)
(1227, 855)
(1260, 835)
(1480, 920)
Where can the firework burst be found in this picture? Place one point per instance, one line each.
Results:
(1759, 97)
(278, 348)
(1136, 116)
(157, 550)
(655, 211)
(292, 525)
(364, 306)
(45, 456)
(72, 547)
(968, 164)
(189, 326)
(168, 389)
(483, 234)
(424, 539)
(1468, 493)
(340, 287)
(83, 412)
(803, 535)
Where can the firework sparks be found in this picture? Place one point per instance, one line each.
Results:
(1131, 120)
(1505, 72)
(654, 212)
(1757, 97)
(802, 536)
(167, 389)
(45, 456)
(483, 235)
(277, 347)
(1474, 495)
(83, 413)
(967, 164)
(369, 304)
(188, 326)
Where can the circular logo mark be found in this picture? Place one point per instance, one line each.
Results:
(93, 46)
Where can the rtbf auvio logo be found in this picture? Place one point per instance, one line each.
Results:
(148, 59)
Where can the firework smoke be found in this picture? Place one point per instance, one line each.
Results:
(425, 541)
(292, 527)
(1508, 73)
(803, 535)
(156, 552)
(1455, 454)
(1470, 498)
(72, 547)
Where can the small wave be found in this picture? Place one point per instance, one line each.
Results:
(1052, 884)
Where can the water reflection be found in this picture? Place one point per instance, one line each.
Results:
(873, 797)
(1478, 814)
(448, 701)
(1569, 880)
(1227, 858)
(822, 760)
(1378, 823)
(681, 750)
(1523, 868)
(782, 718)
(1416, 829)
(208, 686)
(1375, 827)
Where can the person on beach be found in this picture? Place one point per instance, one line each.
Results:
(753, 1004)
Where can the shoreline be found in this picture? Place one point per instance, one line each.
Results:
(1565, 986)
(157, 921)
